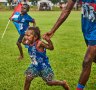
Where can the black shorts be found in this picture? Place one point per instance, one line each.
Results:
(20, 38)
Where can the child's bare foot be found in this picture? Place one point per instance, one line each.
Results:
(20, 57)
(65, 85)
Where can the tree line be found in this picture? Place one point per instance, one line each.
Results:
(53, 1)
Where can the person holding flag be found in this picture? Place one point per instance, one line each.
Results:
(21, 21)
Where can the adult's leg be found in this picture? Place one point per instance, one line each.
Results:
(27, 82)
(87, 63)
(94, 59)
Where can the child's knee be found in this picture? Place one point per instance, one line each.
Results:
(29, 78)
(17, 43)
(49, 83)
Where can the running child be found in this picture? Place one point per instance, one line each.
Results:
(40, 65)
(23, 19)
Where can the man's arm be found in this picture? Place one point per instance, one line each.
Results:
(63, 15)
(62, 18)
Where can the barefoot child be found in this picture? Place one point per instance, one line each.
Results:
(23, 19)
(40, 65)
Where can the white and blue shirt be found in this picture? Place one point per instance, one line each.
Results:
(23, 21)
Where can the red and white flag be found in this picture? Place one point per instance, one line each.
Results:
(15, 15)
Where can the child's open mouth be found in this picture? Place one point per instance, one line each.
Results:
(27, 42)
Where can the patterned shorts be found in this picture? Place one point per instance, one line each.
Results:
(46, 73)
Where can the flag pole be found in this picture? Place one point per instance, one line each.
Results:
(5, 30)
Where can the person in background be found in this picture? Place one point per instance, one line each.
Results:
(24, 19)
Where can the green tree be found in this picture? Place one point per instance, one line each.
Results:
(55, 1)
(31, 0)
(9, 1)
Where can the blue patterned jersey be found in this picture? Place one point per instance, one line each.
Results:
(38, 59)
(89, 19)
(24, 22)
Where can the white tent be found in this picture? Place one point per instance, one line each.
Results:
(44, 5)
(3, 1)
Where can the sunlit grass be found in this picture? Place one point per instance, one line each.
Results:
(66, 59)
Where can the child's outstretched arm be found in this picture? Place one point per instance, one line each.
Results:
(34, 23)
(24, 41)
(49, 44)
(14, 20)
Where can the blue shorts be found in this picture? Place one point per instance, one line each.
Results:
(89, 31)
(46, 72)
(90, 42)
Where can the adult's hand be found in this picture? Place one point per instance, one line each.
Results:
(48, 34)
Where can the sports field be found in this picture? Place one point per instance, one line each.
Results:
(66, 59)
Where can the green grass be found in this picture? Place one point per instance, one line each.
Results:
(66, 59)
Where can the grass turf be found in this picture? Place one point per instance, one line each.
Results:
(66, 59)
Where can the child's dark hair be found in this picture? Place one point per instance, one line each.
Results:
(27, 7)
(36, 31)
